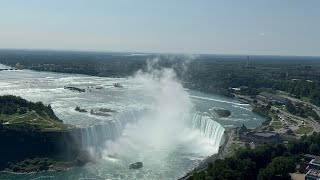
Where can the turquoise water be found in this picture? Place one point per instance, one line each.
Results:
(160, 162)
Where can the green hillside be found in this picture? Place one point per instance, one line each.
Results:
(19, 114)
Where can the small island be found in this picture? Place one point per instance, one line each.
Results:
(80, 110)
(75, 89)
(107, 110)
(98, 112)
(117, 85)
(222, 112)
(102, 112)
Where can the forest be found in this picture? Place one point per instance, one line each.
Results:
(10, 105)
(265, 162)
(263, 111)
(302, 111)
(297, 76)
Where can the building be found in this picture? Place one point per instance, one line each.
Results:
(272, 98)
(261, 137)
(313, 174)
(239, 88)
(310, 165)
(242, 130)
(304, 162)
(313, 169)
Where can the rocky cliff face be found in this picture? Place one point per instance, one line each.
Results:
(17, 146)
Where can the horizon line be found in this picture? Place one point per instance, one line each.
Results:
(151, 53)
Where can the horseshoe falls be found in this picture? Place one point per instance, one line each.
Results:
(96, 136)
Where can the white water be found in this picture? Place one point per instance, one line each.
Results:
(98, 136)
(212, 130)
(163, 127)
(170, 137)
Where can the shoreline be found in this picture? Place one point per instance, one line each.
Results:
(35, 172)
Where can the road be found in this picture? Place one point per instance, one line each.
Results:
(314, 107)
(313, 124)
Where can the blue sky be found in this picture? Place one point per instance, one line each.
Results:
(269, 27)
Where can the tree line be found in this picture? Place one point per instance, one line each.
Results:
(298, 76)
(10, 105)
(304, 111)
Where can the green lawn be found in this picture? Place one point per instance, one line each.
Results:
(292, 121)
(275, 118)
(276, 123)
(305, 99)
(28, 117)
(282, 93)
(304, 130)
(232, 149)
(42, 122)
(4, 117)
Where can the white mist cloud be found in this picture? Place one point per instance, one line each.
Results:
(165, 127)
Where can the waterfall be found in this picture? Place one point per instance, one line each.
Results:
(96, 136)
(212, 130)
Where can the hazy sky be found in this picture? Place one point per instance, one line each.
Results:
(277, 27)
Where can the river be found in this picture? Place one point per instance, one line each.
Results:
(160, 139)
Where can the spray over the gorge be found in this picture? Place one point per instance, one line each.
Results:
(167, 124)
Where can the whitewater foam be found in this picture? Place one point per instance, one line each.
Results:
(218, 100)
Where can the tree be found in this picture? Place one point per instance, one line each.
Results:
(22, 110)
(315, 149)
(77, 108)
(9, 109)
(279, 168)
(290, 132)
(297, 147)
(268, 106)
(233, 168)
